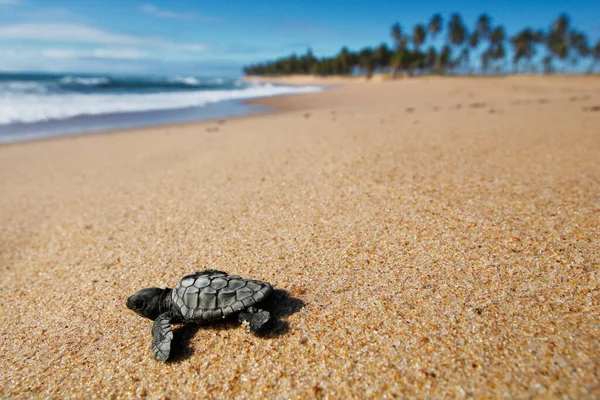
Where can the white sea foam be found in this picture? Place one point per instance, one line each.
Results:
(21, 87)
(84, 81)
(28, 107)
(188, 80)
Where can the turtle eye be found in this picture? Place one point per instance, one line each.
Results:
(138, 303)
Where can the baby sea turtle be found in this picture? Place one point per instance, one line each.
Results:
(204, 296)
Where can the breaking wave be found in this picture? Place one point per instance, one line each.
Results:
(26, 98)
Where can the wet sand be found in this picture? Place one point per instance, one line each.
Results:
(430, 238)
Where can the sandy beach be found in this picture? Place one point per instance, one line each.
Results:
(436, 237)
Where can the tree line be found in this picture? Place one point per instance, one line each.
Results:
(562, 47)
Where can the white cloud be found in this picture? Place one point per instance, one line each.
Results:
(118, 54)
(158, 12)
(102, 53)
(65, 59)
(60, 59)
(75, 33)
(50, 32)
(161, 13)
(11, 53)
(190, 46)
(59, 53)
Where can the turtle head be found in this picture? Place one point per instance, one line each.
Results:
(149, 302)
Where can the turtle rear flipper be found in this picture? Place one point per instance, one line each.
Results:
(162, 335)
(257, 318)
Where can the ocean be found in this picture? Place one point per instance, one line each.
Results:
(39, 105)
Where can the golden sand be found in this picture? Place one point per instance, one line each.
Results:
(443, 236)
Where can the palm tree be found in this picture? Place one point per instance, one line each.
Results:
(367, 61)
(497, 36)
(557, 46)
(435, 25)
(557, 41)
(498, 54)
(595, 56)
(396, 63)
(398, 60)
(419, 34)
(463, 59)
(483, 26)
(445, 59)
(486, 57)
(396, 33)
(562, 24)
(524, 44)
(480, 33)
(403, 44)
(401, 58)
(457, 31)
(307, 62)
(474, 40)
(343, 61)
(382, 56)
(496, 49)
(578, 43)
(401, 61)
(431, 58)
(417, 61)
(547, 63)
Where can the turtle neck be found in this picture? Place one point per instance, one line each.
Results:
(165, 301)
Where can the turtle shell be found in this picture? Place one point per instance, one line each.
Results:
(213, 295)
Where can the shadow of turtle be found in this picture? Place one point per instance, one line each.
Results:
(280, 305)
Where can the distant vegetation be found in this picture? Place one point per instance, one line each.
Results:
(561, 48)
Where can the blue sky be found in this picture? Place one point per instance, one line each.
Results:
(218, 37)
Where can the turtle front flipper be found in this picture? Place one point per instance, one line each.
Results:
(162, 334)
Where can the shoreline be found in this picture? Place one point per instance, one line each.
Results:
(233, 105)
(254, 109)
(289, 102)
(251, 111)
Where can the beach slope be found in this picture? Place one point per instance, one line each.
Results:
(434, 237)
